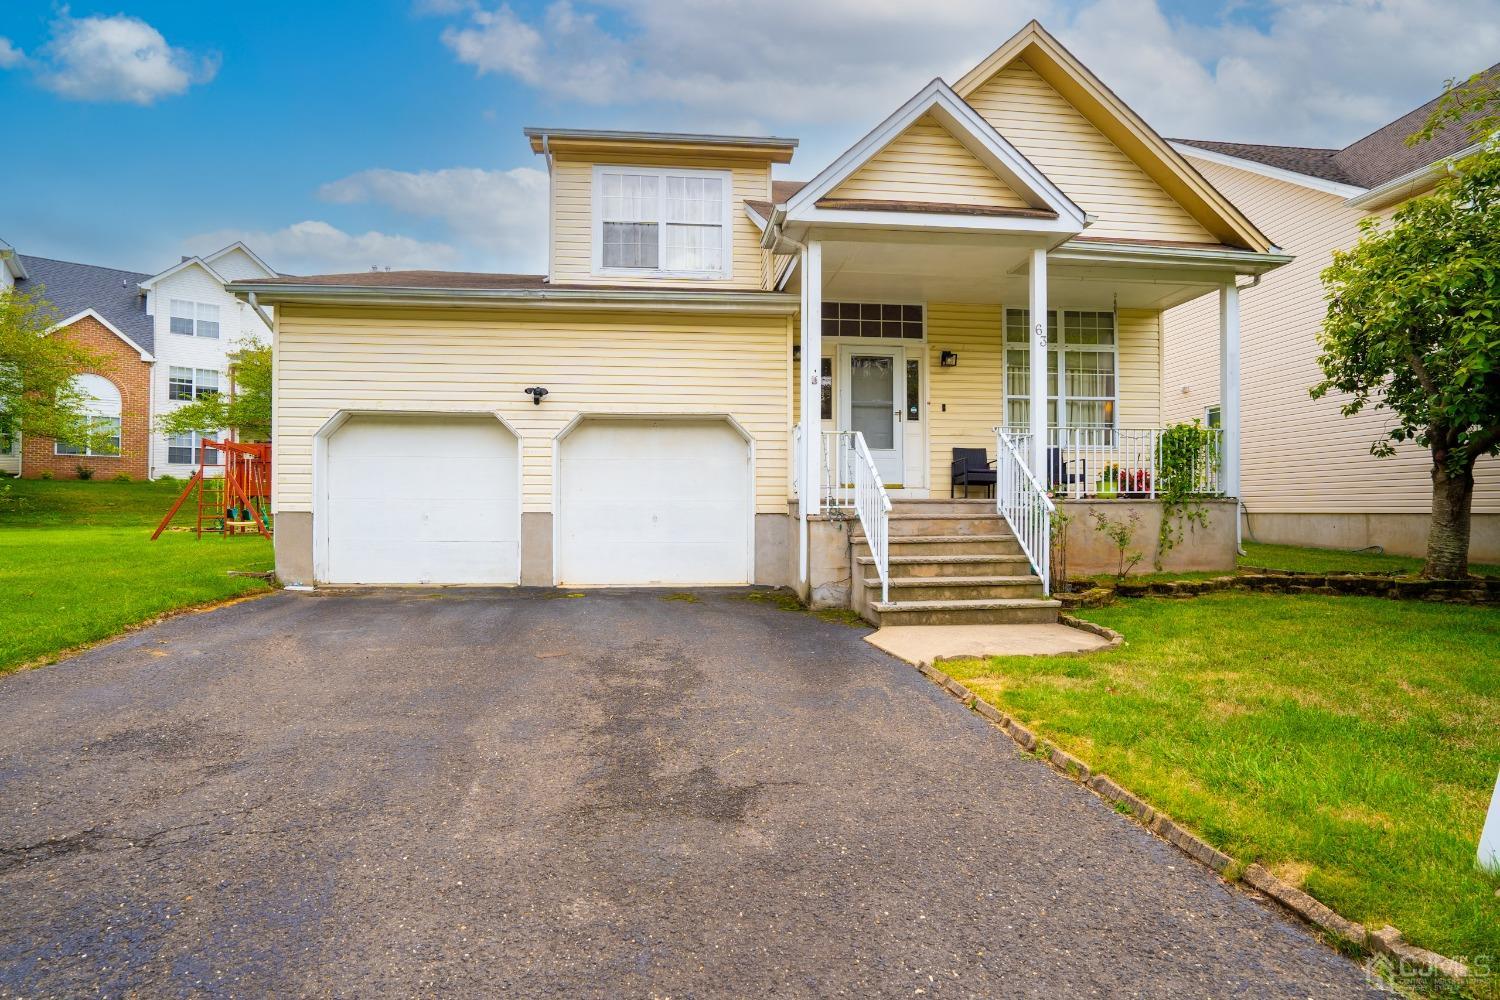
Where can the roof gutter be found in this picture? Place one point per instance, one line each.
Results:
(1238, 261)
(1411, 182)
(646, 299)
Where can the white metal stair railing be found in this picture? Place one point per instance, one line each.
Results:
(864, 491)
(1020, 499)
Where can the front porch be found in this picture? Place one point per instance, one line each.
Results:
(928, 357)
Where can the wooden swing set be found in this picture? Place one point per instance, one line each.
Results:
(237, 502)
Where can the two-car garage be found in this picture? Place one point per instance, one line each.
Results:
(437, 499)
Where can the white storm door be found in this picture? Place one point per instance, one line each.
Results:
(875, 384)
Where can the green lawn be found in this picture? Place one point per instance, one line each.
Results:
(1349, 744)
(77, 563)
(1295, 559)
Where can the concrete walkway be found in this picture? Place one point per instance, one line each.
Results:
(919, 644)
(503, 793)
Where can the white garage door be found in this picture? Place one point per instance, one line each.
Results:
(647, 502)
(422, 500)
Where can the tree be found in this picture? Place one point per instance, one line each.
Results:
(1413, 323)
(246, 410)
(38, 395)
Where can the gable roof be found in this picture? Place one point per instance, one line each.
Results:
(77, 288)
(240, 246)
(1047, 206)
(1168, 168)
(154, 279)
(94, 314)
(1378, 158)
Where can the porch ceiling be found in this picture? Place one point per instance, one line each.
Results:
(981, 270)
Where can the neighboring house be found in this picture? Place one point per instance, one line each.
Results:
(11, 269)
(687, 291)
(167, 338)
(1308, 477)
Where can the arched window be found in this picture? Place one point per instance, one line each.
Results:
(101, 404)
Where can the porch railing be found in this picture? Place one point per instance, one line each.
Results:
(1024, 504)
(850, 480)
(1108, 462)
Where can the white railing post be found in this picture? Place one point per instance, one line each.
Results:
(1038, 372)
(865, 492)
(1021, 500)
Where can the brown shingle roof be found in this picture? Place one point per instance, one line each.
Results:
(1381, 156)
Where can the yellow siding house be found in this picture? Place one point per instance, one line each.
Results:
(728, 377)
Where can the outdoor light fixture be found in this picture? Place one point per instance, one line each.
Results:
(536, 393)
(949, 359)
(796, 352)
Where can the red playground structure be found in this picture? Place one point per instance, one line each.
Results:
(237, 502)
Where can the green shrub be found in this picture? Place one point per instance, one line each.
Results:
(84, 472)
(121, 477)
(46, 474)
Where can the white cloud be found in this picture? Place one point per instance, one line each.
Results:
(314, 247)
(1316, 72)
(117, 58)
(499, 217)
(10, 56)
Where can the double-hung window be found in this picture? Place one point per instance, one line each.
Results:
(187, 449)
(656, 221)
(191, 383)
(194, 319)
(1082, 365)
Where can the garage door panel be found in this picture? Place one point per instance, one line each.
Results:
(654, 502)
(422, 500)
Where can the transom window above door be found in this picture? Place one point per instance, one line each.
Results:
(875, 320)
(662, 222)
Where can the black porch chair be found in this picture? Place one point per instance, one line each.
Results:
(971, 467)
(1058, 474)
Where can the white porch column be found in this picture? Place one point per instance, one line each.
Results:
(1038, 386)
(810, 494)
(1229, 391)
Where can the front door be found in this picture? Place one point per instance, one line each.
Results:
(875, 379)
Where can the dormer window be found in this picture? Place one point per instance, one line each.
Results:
(655, 221)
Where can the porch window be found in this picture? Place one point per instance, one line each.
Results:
(872, 320)
(1082, 367)
(659, 221)
(826, 385)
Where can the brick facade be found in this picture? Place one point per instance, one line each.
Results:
(132, 377)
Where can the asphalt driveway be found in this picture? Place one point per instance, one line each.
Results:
(477, 793)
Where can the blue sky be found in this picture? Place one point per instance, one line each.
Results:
(335, 136)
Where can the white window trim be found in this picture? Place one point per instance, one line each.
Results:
(90, 418)
(197, 386)
(1061, 347)
(197, 305)
(726, 177)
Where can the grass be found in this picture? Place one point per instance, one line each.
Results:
(1348, 744)
(77, 564)
(785, 600)
(1296, 559)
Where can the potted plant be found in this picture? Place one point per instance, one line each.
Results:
(1136, 482)
(1108, 486)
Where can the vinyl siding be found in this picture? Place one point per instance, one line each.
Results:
(1081, 160)
(572, 218)
(1298, 455)
(1139, 367)
(926, 163)
(965, 403)
(392, 360)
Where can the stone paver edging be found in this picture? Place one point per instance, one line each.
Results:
(1483, 591)
(1342, 931)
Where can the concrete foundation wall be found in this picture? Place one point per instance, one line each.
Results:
(536, 549)
(294, 548)
(1202, 547)
(775, 550)
(830, 562)
(1399, 534)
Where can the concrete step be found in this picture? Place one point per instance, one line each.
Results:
(955, 588)
(993, 611)
(956, 564)
(943, 507)
(906, 525)
(1002, 543)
